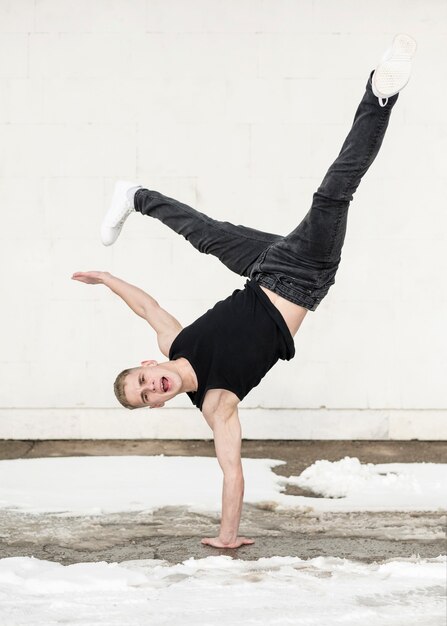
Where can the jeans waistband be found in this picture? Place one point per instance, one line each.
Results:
(285, 288)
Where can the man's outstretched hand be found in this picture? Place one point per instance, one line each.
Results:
(91, 278)
(215, 542)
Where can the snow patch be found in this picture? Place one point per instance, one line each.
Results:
(391, 486)
(221, 591)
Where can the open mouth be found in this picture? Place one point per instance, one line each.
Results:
(164, 384)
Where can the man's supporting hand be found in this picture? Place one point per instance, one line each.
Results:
(216, 542)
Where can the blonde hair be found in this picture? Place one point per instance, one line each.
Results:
(118, 388)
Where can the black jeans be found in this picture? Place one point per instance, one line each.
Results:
(300, 266)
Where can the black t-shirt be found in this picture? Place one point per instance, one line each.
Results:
(234, 344)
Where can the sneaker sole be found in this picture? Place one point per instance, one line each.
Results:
(393, 73)
(109, 232)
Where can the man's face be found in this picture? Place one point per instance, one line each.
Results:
(151, 385)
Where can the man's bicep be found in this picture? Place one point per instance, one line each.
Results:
(165, 325)
(166, 338)
(160, 320)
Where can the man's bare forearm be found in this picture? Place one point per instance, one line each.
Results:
(138, 300)
(232, 498)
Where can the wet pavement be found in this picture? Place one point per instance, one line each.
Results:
(174, 533)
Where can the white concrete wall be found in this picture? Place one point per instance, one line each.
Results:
(236, 107)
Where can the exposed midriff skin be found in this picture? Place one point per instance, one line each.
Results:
(293, 314)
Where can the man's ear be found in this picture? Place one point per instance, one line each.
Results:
(158, 406)
(151, 363)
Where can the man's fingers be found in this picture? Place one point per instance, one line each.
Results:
(216, 543)
(81, 278)
(91, 278)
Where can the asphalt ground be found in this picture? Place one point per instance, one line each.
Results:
(174, 533)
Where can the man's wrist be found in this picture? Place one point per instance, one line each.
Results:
(106, 278)
(227, 538)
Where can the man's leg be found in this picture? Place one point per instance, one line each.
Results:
(238, 247)
(301, 267)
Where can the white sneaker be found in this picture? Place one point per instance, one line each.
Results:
(394, 70)
(120, 209)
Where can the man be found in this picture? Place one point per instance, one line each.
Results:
(226, 352)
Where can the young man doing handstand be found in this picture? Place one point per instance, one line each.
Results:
(226, 352)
